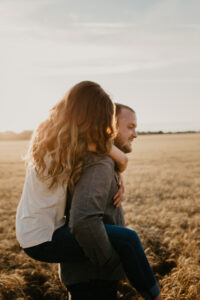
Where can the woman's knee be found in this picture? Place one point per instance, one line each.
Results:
(132, 236)
(120, 235)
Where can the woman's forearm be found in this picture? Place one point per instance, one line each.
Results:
(116, 154)
(119, 157)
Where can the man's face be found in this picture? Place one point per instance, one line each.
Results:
(127, 124)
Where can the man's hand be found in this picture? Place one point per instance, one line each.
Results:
(119, 195)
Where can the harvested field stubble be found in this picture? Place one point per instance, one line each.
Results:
(162, 204)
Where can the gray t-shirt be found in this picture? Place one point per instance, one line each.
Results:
(92, 207)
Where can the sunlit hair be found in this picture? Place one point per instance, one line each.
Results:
(118, 109)
(120, 106)
(84, 115)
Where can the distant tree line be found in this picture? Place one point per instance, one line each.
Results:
(168, 132)
(26, 135)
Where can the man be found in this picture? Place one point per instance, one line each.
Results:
(127, 123)
(91, 219)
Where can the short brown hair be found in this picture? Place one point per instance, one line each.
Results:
(119, 108)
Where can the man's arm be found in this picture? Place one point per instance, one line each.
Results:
(87, 209)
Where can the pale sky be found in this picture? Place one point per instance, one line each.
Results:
(144, 53)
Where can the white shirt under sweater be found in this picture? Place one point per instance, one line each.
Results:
(40, 211)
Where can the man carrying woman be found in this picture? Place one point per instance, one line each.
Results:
(69, 151)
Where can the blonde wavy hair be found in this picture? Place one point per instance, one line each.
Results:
(84, 115)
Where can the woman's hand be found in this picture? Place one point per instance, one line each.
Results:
(119, 195)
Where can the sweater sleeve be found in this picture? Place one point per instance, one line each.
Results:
(90, 198)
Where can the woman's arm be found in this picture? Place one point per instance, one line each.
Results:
(118, 197)
(119, 157)
(116, 154)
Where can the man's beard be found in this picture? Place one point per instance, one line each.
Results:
(126, 148)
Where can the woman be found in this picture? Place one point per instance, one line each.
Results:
(83, 120)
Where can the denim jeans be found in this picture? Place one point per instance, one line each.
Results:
(64, 248)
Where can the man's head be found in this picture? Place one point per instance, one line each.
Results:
(126, 123)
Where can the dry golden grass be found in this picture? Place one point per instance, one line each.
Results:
(162, 204)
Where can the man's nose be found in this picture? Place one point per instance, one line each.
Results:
(134, 134)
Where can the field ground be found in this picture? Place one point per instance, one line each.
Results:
(162, 204)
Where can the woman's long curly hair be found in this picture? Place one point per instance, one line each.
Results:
(84, 115)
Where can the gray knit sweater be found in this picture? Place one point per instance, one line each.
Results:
(91, 207)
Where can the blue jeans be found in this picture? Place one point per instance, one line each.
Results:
(64, 248)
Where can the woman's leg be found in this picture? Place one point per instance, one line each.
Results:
(128, 245)
(62, 248)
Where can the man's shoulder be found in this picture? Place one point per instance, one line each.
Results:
(94, 159)
(96, 170)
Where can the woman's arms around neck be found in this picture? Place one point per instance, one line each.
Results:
(121, 161)
(116, 154)
(119, 157)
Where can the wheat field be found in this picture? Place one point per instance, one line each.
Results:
(162, 203)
